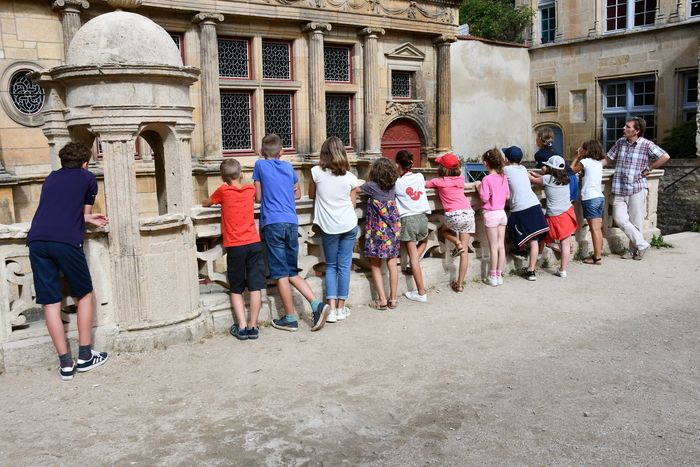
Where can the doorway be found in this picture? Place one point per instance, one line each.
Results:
(402, 134)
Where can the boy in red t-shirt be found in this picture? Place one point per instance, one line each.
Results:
(243, 248)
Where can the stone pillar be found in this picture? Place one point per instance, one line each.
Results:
(444, 130)
(211, 102)
(70, 18)
(697, 116)
(371, 97)
(317, 88)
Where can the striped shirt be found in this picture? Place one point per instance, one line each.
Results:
(631, 159)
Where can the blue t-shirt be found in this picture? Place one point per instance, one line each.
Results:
(60, 215)
(277, 178)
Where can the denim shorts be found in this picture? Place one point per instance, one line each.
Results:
(593, 208)
(282, 243)
(48, 259)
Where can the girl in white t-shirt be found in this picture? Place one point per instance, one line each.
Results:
(589, 159)
(334, 189)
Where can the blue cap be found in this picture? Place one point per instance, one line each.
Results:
(513, 153)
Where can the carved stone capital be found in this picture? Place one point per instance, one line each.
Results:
(371, 32)
(208, 18)
(317, 28)
(445, 39)
(124, 4)
(70, 4)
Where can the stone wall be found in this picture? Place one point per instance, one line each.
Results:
(679, 196)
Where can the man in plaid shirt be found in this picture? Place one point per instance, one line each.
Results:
(635, 157)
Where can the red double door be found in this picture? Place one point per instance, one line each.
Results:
(401, 134)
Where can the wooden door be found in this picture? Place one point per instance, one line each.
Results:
(401, 134)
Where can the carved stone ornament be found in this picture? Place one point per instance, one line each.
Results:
(60, 4)
(124, 4)
(442, 15)
(413, 109)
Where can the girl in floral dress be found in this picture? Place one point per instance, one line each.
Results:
(382, 228)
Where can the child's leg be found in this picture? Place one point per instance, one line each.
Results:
(346, 245)
(86, 311)
(450, 236)
(238, 309)
(596, 226)
(501, 244)
(392, 266)
(534, 253)
(565, 253)
(463, 258)
(414, 259)
(285, 292)
(492, 236)
(422, 245)
(331, 250)
(378, 279)
(255, 304)
(54, 324)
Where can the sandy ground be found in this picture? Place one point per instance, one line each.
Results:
(600, 368)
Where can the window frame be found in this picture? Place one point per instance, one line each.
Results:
(351, 122)
(630, 15)
(349, 49)
(249, 61)
(689, 107)
(292, 114)
(251, 123)
(548, 5)
(691, 4)
(542, 89)
(411, 85)
(629, 109)
(290, 48)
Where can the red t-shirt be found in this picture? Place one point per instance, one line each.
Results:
(237, 222)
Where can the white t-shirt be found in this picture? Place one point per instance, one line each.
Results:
(411, 197)
(558, 196)
(592, 186)
(333, 210)
(521, 195)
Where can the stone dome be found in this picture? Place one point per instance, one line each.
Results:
(122, 38)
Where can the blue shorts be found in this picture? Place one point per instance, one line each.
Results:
(593, 208)
(245, 268)
(282, 243)
(48, 259)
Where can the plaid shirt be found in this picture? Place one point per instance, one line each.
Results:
(631, 161)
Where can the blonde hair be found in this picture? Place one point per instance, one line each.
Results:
(230, 170)
(333, 156)
(545, 136)
(271, 146)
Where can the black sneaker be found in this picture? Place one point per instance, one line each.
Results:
(285, 325)
(97, 359)
(239, 333)
(253, 333)
(67, 372)
(530, 275)
(320, 314)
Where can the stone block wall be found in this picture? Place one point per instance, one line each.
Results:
(679, 196)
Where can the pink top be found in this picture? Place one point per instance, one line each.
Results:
(451, 193)
(494, 192)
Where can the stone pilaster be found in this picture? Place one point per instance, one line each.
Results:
(317, 88)
(444, 130)
(70, 18)
(211, 102)
(373, 113)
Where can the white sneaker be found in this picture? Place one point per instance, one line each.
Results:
(340, 314)
(332, 317)
(347, 311)
(561, 274)
(500, 280)
(415, 296)
(491, 280)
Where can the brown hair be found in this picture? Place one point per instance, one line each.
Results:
(445, 172)
(271, 146)
(404, 159)
(593, 149)
(639, 124)
(333, 156)
(383, 173)
(545, 137)
(494, 160)
(230, 170)
(559, 175)
(74, 155)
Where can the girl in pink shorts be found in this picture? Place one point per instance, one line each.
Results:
(494, 191)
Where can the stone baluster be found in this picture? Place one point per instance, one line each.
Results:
(70, 18)
(211, 102)
(317, 89)
(444, 129)
(371, 96)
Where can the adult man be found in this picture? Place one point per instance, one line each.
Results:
(635, 157)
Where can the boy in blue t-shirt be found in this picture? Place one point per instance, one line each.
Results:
(276, 189)
(55, 242)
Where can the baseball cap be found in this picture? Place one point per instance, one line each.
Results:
(513, 153)
(555, 162)
(448, 161)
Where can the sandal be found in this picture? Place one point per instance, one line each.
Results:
(457, 287)
(392, 304)
(593, 260)
(377, 305)
(458, 250)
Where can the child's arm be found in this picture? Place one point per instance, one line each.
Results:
(353, 197)
(206, 202)
(535, 179)
(258, 192)
(99, 220)
(576, 165)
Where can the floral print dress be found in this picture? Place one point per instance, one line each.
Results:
(382, 224)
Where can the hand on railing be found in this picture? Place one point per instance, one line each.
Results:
(98, 220)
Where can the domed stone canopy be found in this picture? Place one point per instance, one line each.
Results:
(124, 38)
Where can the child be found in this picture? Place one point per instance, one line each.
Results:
(545, 145)
(526, 223)
(459, 215)
(560, 213)
(334, 188)
(494, 191)
(55, 242)
(276, 188)
(589, 159)
(243, 247)
(382, 229)
(412, 202)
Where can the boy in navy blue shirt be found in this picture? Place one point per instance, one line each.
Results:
(55, 242)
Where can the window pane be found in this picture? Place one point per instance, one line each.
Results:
(616, 95)
(548, 24)
(644, 92)
(276, 60)
(338, 117)
(695, 8)
(401, 84)
(236, 131)
(278, 117)
(613, 129)
(616, 14)
(650, 132)
(233, 58)
(644, 12)
(28, 97)
(691, 89)
(337, 64)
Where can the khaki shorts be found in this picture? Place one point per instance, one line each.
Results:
(414, 228)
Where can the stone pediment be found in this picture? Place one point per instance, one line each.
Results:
(406, 51)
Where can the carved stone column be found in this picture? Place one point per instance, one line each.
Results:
(373, 113)
(211, 102)
(317, 88)
(70, 18)
(444, 129)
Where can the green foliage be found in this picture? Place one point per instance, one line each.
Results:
(545, 263)
(658, 242)
(695, 227)
(680, 142)
(496, 19)
(579, 256)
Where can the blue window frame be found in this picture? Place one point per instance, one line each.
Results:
(690, 96)
(623, 99)
(548, 21)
